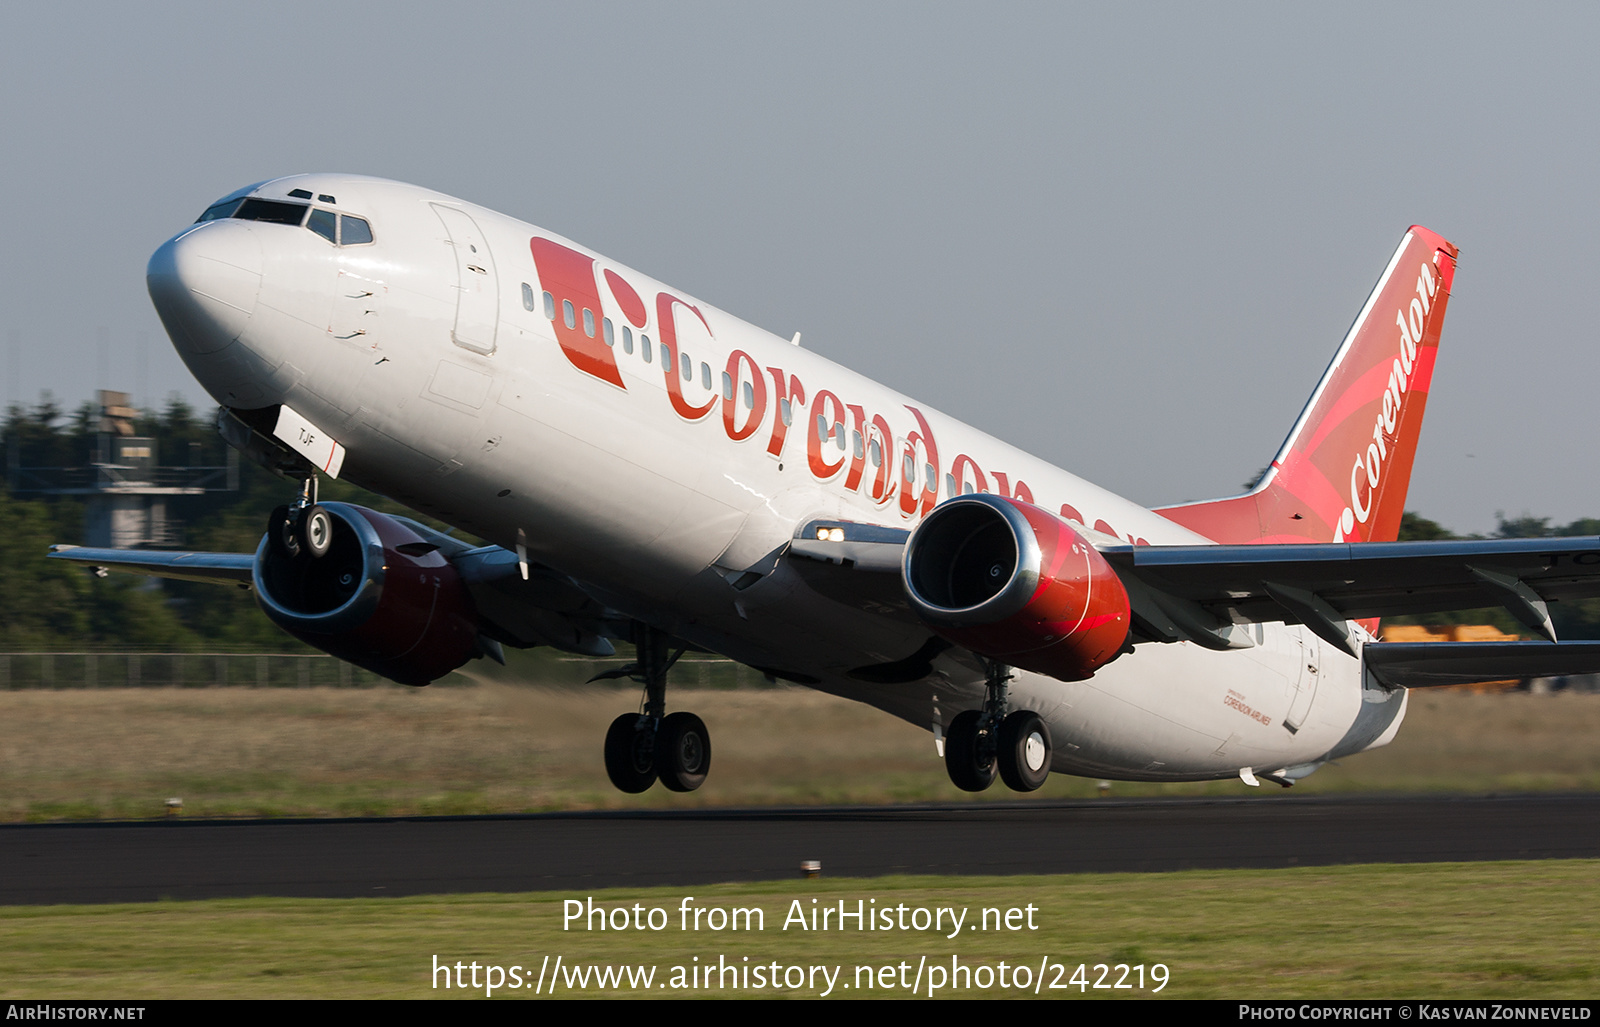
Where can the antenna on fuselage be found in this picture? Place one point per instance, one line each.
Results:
(796, 340)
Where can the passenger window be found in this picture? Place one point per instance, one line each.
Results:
(644, 347)
(627, 339)
(875, 453)
(787, 411)
(549, 306)
(838, 434)
(727, 386)
(856, 444)
(569, 315)
(588, 322)
(610, 333)
(705, 376)
(822, 428)
(325, 223)
(950, 487)
(749, 397)
(527, 296)
(353, 231)
(688, 368)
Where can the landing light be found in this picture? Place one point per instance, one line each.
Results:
(830, 534)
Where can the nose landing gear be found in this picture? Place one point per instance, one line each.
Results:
(981, 743)
(302, 527)
(641, 747)
(315, 529)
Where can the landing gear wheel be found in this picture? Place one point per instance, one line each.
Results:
(1023, 751)
(281, 534)
(630, 754)
(683, 752)
(315, 531)
(970, 770)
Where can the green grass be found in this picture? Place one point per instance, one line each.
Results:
(1481, 930)
(499, 746)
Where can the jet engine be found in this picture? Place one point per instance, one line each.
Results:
(1016, 584)
(382, 597)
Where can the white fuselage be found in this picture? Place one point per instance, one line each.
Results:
(420, 354)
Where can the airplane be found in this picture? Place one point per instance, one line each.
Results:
(648, 470)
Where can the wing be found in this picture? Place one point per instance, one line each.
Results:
(515, 602)
(1324, 586)
(1206, 594)
(212, 568)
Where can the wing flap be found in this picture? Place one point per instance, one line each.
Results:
(1434, 664)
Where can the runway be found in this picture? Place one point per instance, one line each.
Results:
(142, 862)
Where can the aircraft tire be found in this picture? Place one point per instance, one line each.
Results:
(630, 755)
(1024, 751)
(281, 534)
(963, 756)
(683, 752)
(315, 531)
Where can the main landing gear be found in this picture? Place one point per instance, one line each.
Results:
(303, 527)
(651, 744)
(979, 743)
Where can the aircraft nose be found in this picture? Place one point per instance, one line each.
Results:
(204, 283)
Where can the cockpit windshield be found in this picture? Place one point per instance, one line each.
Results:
(339, 229)
(217, 211)
(271, 211)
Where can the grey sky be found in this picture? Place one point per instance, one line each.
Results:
(1125, 238)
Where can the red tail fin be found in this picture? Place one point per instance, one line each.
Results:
(1343, 472)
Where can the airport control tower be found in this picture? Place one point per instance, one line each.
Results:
(126, 485)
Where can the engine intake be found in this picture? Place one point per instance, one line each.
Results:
(1016, 584)
(382, 598)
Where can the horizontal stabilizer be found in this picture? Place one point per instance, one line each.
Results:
(1429, 664)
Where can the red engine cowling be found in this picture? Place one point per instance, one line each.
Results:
(1016, 584)
(382, 598)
